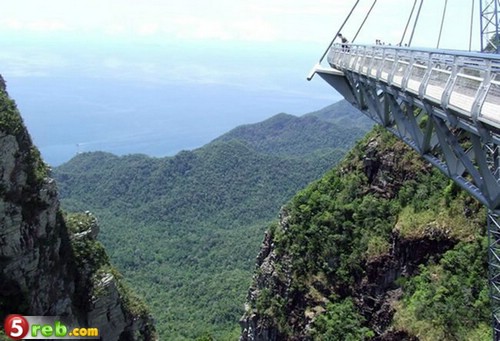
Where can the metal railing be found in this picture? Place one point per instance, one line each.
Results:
(466, 83)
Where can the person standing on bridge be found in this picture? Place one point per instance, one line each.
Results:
(345, 42)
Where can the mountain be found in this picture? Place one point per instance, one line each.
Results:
(51, 263)
(344, 114)
(383, 247)
(185, 229)
(287, 135)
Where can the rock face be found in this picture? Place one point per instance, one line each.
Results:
(324, 250)
(375, 292)
(46, 269)
(256, 327)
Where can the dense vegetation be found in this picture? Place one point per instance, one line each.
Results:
(449, 299)
(185, 230)
(340, 229)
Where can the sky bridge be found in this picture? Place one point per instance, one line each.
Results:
(445, 104)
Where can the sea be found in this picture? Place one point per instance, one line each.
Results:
(154, 98)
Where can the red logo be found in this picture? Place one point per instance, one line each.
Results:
(16, 327)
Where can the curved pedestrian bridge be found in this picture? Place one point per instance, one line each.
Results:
(468, 84)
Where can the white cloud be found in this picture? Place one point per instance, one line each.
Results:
(42, 25)
(30, 63)
(12, 24)
(193, 27)
(149, 29)
(193, 19)
(115, 29)
(48, 25)
(256, 20)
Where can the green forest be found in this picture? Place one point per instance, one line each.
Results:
(185, 230)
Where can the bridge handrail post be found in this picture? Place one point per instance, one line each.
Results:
(346, 56)
(342, 55)
(332, 55)
(372, 61)
(369, 61)
(390, 77)
(353, 56)
(406, 77)
(385, 57)
(481, 93)
(425, 80)
(361, 59)
(448, 89)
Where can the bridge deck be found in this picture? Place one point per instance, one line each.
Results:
(466, 83)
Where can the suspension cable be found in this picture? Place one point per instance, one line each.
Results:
(340, 30)
(416, 21)
(364, 20)
(408, 23)
(442, 22)
(471, 25)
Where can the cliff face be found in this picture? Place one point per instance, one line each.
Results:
(369, 252)
(375, 292)
(51, 264)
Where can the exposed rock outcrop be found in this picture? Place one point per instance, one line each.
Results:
(256, 327)
(46, 268)
(374, 293)
(324, 251)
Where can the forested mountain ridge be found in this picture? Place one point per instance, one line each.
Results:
(343, 114)
(383, 247)
(185, 229)
(287, 135)
(220, 176)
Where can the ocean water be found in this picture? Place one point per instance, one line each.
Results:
(154, 99)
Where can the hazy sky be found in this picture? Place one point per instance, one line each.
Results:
(184, 71)
(231, 20)
(297, 25)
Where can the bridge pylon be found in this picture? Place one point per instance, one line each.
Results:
(490, 30)
(494, 269)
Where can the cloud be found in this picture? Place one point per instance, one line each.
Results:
(43, 25)
(318, 8)
(47, 25)
(149, 29)
(193, 27)
(248, 29)
(193, 19)
(115, 29)
(30, 63)
(229, 20)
